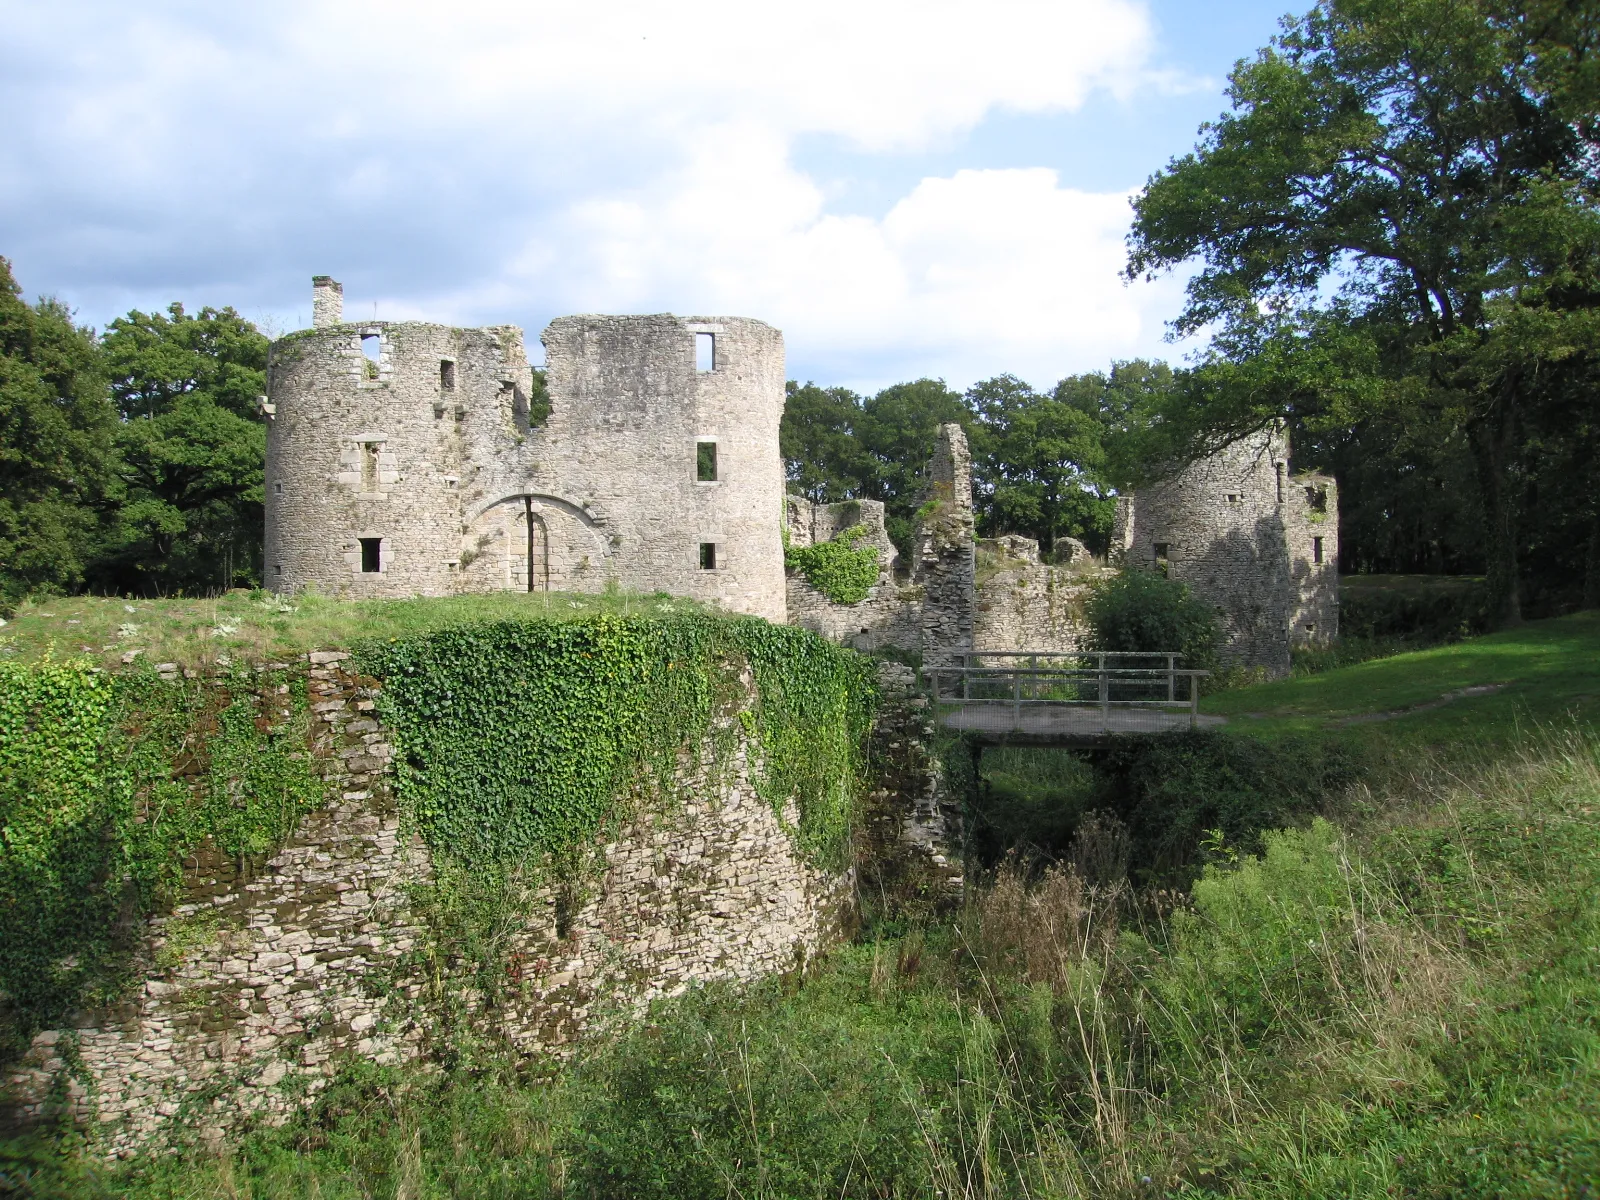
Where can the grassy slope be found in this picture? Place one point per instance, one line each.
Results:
(260, 625)
(1547, 673)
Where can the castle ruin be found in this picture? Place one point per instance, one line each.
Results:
(406, 458)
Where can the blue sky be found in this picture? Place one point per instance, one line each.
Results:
(905, 188)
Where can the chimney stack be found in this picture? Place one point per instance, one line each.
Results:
(327, 301)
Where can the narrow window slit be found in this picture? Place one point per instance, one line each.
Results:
(705, 454)
(708, 556)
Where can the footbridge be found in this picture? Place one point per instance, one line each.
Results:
(1081, 700)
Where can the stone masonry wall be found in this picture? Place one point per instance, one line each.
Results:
(1218, 525)
(1023, 604)
(1311, 524)
(257, 984)
(890, 615)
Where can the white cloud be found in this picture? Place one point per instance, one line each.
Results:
(484, 161)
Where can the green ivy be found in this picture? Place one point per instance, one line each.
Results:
(107, 783)
(841, 570)
(519, 741)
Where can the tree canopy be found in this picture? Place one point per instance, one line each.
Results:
(1398, 242)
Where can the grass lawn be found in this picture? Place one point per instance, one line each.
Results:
(1542, 674)
(263, 626)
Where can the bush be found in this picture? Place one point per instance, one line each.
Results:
(1142, 611)
(1182, 793)
(840, 569)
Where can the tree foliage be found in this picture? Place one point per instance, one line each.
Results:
(56, 429)
(1396, 220)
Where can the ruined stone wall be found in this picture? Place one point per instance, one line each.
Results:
(628, 408)
(1218, 525)
(429, 447)
(942, 556)
(890, 615)
(256, 984)
(1023, 604)
(1311, 524)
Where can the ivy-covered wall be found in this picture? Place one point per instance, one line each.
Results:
(515, 830)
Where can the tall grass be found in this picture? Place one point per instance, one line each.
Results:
(1411, 1007)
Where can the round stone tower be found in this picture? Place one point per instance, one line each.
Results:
(364, 449)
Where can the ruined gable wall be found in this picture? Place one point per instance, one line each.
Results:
(256, 985)
(1311, 523)
(943, 562)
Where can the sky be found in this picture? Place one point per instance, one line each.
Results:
(906, 188)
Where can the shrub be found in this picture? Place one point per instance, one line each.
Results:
(1139, 610)
(1179, 792)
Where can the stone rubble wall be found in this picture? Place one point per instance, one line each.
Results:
(1024, 604)
(891, 614)
(1311, 516)
(258, 983)
(1235, 526)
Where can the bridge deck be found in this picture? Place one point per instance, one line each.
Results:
(1043, 698)
(1066, 725)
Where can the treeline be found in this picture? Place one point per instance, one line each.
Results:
(1041, 464)
(130, 462)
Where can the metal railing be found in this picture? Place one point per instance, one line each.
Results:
(1030, 680)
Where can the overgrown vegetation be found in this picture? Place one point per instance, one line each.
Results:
(518, 739)
(1410, 1008)
(840, 569)
(107, 783)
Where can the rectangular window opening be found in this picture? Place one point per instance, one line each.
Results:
(1316, 549)
(371, 555)
(369, 466)
(1161, 551)
(705, 352)
(708, 556)
(277, 568)
(371, 345)
(705, 461)
(278, 488)
(447, 375)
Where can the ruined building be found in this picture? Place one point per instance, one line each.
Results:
(1260, 544)
(406, 458)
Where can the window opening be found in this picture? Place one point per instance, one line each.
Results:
(705, 352)
(371, 346)
(277, 568)
(447, 375)
(371, 555)
(369, 466)
(705, 461)
(1279, 466)
(278, 488)
(708, 556)
(1234, 498)
(1316, 549)
(1161, 549)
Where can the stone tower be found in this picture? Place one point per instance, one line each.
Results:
(409, 459)
(1248, 538)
